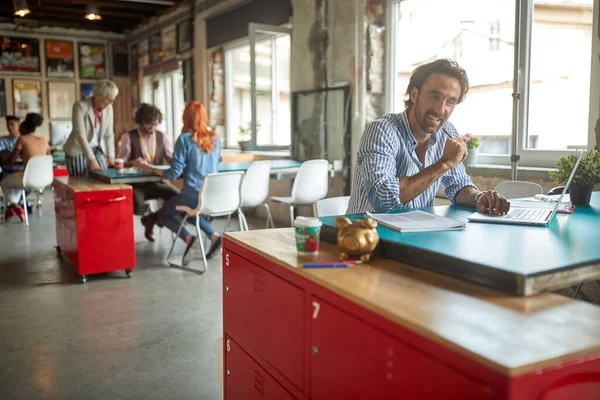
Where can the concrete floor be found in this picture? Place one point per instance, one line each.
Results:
(148, 337)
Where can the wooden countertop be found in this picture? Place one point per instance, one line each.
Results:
(84, 184)
(509, 334)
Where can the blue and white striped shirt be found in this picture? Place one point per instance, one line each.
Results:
(386, 153)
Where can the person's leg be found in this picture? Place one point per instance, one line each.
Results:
(139, 198)
(160, 190)
(78, 165)
(171, 218)
(215, 238)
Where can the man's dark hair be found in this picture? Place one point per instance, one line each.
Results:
(32, 121)
(147, 114)
(11, 118)
(444, 66)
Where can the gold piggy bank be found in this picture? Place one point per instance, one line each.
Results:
(358, 238)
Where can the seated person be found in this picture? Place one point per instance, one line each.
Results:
(146, 145)
(402, 158)
(26, 147)
(197, 154)
(7, 144)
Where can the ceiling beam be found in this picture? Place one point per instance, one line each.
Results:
(103, 12)
(107, 3)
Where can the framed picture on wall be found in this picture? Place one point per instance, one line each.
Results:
(188, 80)
(120, 59)
(59, 59)
(184, 35)
(61, 96)
(169, 37)
(92, 63)
(155, 48)
(86, 90)
(20, 55)
(143, 55)
(2, 98)
(27, 97)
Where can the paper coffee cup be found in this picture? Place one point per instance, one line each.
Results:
(119, 163)
(308, 232)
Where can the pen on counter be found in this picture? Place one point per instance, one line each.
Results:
(328, 265)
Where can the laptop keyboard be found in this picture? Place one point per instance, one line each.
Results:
(528, 214)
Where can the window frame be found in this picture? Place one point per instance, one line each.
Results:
(523, 34)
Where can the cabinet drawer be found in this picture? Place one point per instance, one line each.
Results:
(266, 313)
(245, 379)
(105, 231)
(352, 360)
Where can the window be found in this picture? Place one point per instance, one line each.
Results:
(555, 50)
(273, 108)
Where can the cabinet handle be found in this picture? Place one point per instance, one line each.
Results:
(314, 349)
(115, 200)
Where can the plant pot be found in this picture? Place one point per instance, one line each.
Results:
(472, 157)
(245, 145)
(580, 194)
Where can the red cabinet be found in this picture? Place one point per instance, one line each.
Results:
(266, 313)
(352, 360)
(245, 379)
(94, 225)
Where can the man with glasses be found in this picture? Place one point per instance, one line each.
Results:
(92, 139)
(145, 145)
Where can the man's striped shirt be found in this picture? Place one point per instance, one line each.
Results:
(386, 153)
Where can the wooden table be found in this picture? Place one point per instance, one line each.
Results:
(94, 225)
(387, 330)
(279, 169)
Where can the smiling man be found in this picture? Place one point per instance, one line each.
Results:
(403, 158)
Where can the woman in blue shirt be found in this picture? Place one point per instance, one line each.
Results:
(197, 154)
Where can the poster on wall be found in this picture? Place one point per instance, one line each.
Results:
(86, 90)
(169, 37)
(2, 98)
(188, 81)
(61, 97)
(134, 60)
(184, 36)
(120, 60)
(27, 97)
(91, 61)
(59, 59)
(143, 58)
(19, 55)
(155, 48)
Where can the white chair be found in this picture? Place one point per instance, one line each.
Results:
(517, 189)
(255, 189)
(311, 184)
(219, 196)
(38, 174)
(331, 206)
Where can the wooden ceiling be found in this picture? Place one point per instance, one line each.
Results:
(117, 15)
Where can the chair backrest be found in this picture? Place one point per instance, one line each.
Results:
(331, 206)
(516, 189)
(255, 185)
(312, 182)
(39, 172)
(220, 193)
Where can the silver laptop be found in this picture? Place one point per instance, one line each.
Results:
(536, 216)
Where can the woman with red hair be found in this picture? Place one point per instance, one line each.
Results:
(197, 154)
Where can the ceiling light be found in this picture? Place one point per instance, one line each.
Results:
(92, 13)
(21, 8)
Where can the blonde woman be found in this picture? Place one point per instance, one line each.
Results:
(93, 137)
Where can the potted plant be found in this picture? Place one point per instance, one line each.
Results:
(587, 175)
(245, 135)
(473, 143)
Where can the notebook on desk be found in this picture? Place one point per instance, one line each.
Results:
(535, 215)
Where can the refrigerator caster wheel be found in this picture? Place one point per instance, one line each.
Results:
(128, 273)
(83, 278)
